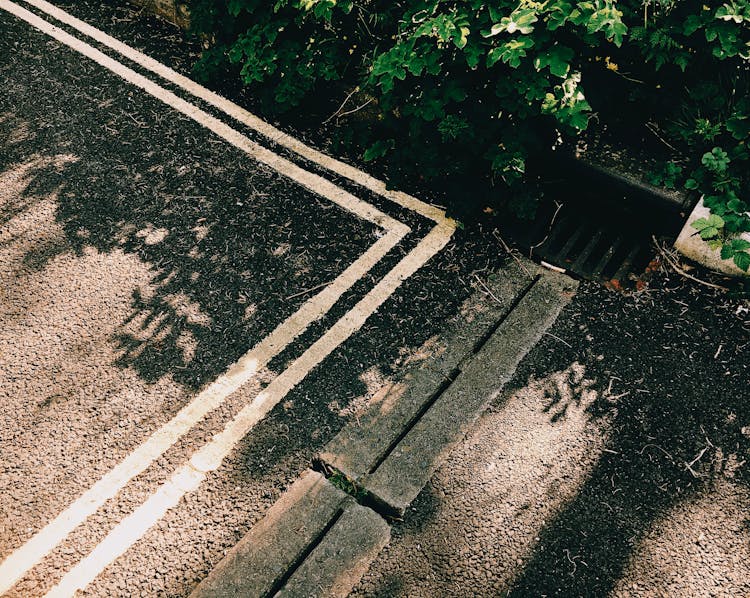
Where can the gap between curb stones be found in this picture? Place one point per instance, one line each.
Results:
(322, 535)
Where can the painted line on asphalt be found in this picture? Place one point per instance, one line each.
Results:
(43, 542)
(244, 116)
(309, 180)
(15, 566)
(188, 478)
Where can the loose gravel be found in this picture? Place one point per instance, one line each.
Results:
(614, 464)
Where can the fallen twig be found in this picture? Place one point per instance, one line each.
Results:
(346, 99)
(310, 290)
(486, 288)
(676, 267)
(549, 229)
(496, 234)
(564, 342)
(652, 129)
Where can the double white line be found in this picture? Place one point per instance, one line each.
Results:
(188, 477)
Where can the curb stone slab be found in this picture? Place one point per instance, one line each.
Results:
(356, 449)
(417, 446)
(314, 541)
(337, 564)
(690, 244)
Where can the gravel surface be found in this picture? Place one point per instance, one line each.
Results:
(613, 464)
(140, 257)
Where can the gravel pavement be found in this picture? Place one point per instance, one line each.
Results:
(141, 257)
(615, 463)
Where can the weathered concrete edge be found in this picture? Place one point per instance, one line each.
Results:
(312, 519)
(337, 564)
(400, 478)
(690, 244)
(352, 452)
(174, 11)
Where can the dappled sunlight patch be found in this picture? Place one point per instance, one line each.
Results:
(433, 347)
(696, 542)
(164, 324)
(185, 308)
(152, 235)
(568, 393)
(57, 366)
(18, 192)
(201, 230)
(379, 390)
(487, 505)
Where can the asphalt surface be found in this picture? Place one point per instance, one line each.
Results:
(142, 256)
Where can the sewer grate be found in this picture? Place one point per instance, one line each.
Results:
(591, 250)
(593, 238)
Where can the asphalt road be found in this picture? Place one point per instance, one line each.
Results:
(192, 305)
(182, 313)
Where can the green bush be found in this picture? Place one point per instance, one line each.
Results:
(466, 87)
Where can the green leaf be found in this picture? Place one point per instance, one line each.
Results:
(700, 224)
(609, 20)
(737, 205)
(716, 160)
(739, 127)
(510, 52)
(378, 149)
(519, 21)
(739, 244)
(557, 58)
(742, 260)
(709, 227)
(558, 15)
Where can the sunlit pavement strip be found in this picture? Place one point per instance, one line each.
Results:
(208, 458)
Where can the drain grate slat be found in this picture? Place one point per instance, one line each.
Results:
(583, 256)
(555, 236)
(569, 244)
(607, 257)
(627, 263)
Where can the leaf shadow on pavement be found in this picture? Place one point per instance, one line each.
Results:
(232, 244)
(675, 406)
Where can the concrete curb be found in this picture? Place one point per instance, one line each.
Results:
(392, 454)
(359, 446)
(314, 541)
(690, 244)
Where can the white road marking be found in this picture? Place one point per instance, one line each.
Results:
(245, 117)
(212, 454)
(311, 181)
(189, 477)
(44, 541)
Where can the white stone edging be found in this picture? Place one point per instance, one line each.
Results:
(690, 244)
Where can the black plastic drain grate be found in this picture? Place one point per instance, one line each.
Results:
(594, 239)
